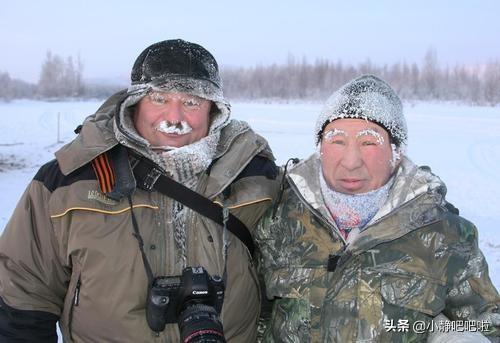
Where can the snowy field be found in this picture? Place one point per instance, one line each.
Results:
(460, 143)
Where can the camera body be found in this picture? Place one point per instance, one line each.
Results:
(171, 296)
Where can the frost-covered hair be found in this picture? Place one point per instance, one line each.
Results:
(370, 98)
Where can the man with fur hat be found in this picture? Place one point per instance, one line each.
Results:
(108, 240)
(363, 245)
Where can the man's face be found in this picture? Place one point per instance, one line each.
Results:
(356, 156)
(172, 119)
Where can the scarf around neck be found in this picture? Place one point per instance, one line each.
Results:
(353, 211)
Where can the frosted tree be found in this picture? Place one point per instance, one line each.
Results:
(59, 78)
(11, 88)
(68, 80)
(51, 76)
(79, 85)
(492, 83)
(5, 89)
(430, 74)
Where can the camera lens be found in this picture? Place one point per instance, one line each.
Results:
(200, 323)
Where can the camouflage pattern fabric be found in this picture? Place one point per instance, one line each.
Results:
(415, 260)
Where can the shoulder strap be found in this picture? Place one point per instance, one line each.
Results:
(149, 177)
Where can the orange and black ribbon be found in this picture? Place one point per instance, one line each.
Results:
(104, 172)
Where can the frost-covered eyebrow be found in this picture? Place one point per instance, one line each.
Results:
(371, 132)
(185, 97)
(334, 132)
(176, 96)
(190, 96)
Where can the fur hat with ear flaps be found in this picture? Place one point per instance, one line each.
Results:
(370, 98)
(177, 65)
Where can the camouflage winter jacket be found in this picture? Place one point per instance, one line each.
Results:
(415, 259)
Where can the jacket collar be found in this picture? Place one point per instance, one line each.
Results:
(238, 145)
(305, 177)
(96, 136)
(416, 199)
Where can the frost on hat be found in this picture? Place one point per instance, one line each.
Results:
(370, 98)
(178, 66)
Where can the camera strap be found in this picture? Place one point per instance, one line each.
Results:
(137, 235)
(149, 177)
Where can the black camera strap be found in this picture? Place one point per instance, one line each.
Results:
(137, 235)
(149, 178)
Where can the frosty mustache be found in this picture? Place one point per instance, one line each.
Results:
(179, 128)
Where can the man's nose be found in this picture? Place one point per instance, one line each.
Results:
(351, 158)
(173, 112)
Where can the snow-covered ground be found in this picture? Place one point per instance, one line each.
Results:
(460, 143)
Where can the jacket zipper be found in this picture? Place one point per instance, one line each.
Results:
(74, 303)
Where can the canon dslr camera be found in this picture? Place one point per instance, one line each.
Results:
(193, 300)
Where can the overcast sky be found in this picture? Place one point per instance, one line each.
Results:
(109, 35)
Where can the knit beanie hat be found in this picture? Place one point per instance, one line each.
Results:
(370, 98)
(178, 66)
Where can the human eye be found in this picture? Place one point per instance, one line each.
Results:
(369, 143)
(370, 137)
(334, 137)
(157, 98)
(336, 141)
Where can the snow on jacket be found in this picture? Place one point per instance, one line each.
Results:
(69, 254)
(415, 260)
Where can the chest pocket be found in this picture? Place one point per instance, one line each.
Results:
(413, 292)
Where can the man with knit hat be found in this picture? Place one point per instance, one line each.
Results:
(141, 229)
(363, 245)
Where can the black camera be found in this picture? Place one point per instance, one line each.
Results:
(193, 300)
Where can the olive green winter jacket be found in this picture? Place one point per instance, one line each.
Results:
(69, 250)
(414, 260)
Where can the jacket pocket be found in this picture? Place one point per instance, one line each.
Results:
(71, 301)
(414, 292)
(287, 282)
(290, 321)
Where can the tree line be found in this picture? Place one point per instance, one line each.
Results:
(60, 78)
(296, 79)
(478, 85)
